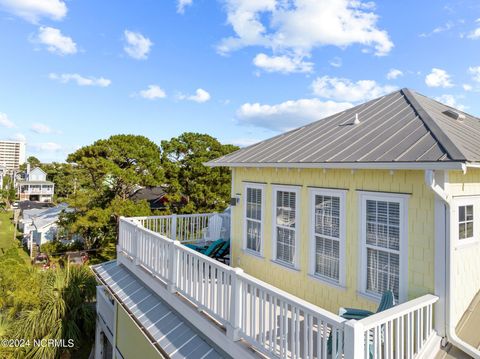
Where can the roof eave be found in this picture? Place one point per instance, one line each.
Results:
(447, 165)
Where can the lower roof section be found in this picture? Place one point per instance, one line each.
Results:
(165, 328)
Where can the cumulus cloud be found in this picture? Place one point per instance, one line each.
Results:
(5, 121)
(81, 80)
(46, 147)
(153, 92)
(467, 87)
(342, 89)
(394, 74)
(55, 41)
(301, 25)
(475, 72)
(34, 10)
(200, 96)
(41, 128)
(243, 142)
(283, 64)
(137, 46)
(450, 100)
(438, 78)
(289, 114)
(336, 62)
(182, 4)
(19, 137)
(475, 34)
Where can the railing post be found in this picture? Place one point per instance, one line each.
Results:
(173, 227)
(172, 267)
(135, 243)
(233, 326)
(354, 340)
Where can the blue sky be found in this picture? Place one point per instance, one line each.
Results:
(76, 71)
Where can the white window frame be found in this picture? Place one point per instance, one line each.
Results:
(261, 187)
(402, 199)
(296, 190)
(341, 194)
(466, 201)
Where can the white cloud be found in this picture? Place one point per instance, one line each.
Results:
(55, 41)
(475, 72)
(182, 4)
(475, 34)
(243, 142)
(41, 128)
(19, 137)
(153, 92)
(336, 62)
(200, 96)
(34, 10)
(467, 87)
(288, 114)
(283, 64)
(394, 74)
(446, 27)
(5, 121)
(342, 89)
(301, 25)
(81, 80)
(137, 45)
(450, 100)
(438, 78)
(46, 147)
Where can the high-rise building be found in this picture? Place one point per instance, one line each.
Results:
(12, 154)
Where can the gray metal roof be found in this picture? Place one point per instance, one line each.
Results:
(21, 183)
(163, 326)
(401, 127)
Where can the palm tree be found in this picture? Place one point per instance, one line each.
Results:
(65, 312)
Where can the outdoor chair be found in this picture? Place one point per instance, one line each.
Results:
(387, 302)
(209, 249)
(222, 252)
(214, 229)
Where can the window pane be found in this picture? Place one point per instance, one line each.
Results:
(253, 235)
(327, 257)
(382, 272)
(461, 213)
(254, 203)
(469, 213)
(286, 208)
(327, 215)
(466, 221)
(285, 244)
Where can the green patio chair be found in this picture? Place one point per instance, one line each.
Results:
(222, 252)
(387, 302)
(207, 250)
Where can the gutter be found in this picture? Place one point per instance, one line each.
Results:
(451, 335)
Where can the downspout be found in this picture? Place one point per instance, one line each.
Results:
(449, 325)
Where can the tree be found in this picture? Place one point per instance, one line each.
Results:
(183, 158)
(34, 162)
(66, 176)
(64, 312)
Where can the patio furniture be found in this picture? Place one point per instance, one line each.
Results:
(207, 250)
(387, 302)
(222, 252)
(214, 229)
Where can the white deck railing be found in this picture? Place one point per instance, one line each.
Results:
(272, 321)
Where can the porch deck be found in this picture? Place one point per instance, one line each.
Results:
(270, 321)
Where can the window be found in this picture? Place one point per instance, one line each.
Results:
(328, 234)
(384, 242)
(285, 225)
(465, 222)
(253, 218)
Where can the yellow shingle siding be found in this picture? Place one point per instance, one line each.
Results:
(420, 231)
(466, 260)
(130, 340)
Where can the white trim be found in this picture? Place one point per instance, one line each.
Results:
(261, 187)
(341, 194)
(296, 257)
(466, 201)
(403, 241)
(356, 165)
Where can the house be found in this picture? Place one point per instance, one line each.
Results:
(382, 197)
(40, 225)
(35, 187)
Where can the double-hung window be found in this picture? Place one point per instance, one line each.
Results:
(253, 239)
(286, 224)
(327, 260)
(384, 244)
(465, 221)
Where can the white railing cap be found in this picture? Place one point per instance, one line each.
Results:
(398, 311)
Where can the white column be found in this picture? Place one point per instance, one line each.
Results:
(354, 341)
(98, 341)
(172, 267)
(233, 326)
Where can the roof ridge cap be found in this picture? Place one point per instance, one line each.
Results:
(452, 150)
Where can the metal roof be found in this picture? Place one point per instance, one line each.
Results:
(163, 326)
(401, 127)
(21, 183)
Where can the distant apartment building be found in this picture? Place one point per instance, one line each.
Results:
(2, 175)
(12, 154)
(35, 187)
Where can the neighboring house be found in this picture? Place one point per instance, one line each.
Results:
(156, 197)
(35, 187)
(383, 196)
(41, 225)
